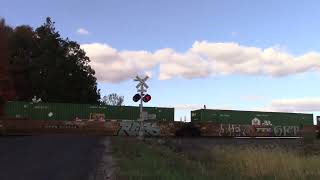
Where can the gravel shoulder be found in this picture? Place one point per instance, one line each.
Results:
(106, 164)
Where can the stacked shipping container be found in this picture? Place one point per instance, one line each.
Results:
(251, 117)
(67, 112)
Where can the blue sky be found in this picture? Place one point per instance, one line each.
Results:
(271, 39)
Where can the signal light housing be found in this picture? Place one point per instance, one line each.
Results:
(146, 98)
(136, 97)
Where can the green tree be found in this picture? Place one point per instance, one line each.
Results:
(47, 66)
(6, 83)
(21, 46)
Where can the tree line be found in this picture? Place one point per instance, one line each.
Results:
(42, 63)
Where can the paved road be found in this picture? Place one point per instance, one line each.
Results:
(54, 157)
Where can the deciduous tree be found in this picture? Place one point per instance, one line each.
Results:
(48, 66)
(112, 99)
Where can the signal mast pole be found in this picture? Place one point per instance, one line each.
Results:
(141, 110)
(141, 104)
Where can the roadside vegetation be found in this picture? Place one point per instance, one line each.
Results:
(138, 160)
(150, 160)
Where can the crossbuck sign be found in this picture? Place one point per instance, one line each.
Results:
(141, 88)
(142, 83)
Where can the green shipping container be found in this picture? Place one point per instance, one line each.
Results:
(66, 111)
(251, 117)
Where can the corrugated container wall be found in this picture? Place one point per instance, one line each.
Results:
(64, 111)
(247, 117)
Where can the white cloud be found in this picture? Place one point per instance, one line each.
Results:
(82, 31)
(112, 65)
(149, 74)
(295, 105)
(203, 59)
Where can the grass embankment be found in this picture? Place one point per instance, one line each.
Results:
(258, 163)
(139, 160)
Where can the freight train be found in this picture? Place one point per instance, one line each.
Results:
(46, 118)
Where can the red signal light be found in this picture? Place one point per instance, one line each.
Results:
(146, 98)
(136, 98)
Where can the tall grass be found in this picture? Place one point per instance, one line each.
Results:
(139, 160)
(258, 163)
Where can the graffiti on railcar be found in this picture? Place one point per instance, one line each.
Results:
(150, 128)
(233, 130)
(286, 130)
(263, 131)
(268, 130)
(277, 130)
(129, 128)
(247, 130)
(63, 125)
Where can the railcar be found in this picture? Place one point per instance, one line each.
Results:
(47, 118)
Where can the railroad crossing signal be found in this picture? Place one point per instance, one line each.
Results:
(142, 82)
(146, 98)
(141, 89)
(136, 97)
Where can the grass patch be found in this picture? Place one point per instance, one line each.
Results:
(258, 163)
(146, 160)
(138, 160)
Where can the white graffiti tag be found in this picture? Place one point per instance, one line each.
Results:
(133, 128)
(231, 130)
(286, 130)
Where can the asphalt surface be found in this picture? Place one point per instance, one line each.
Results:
(54, 157)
